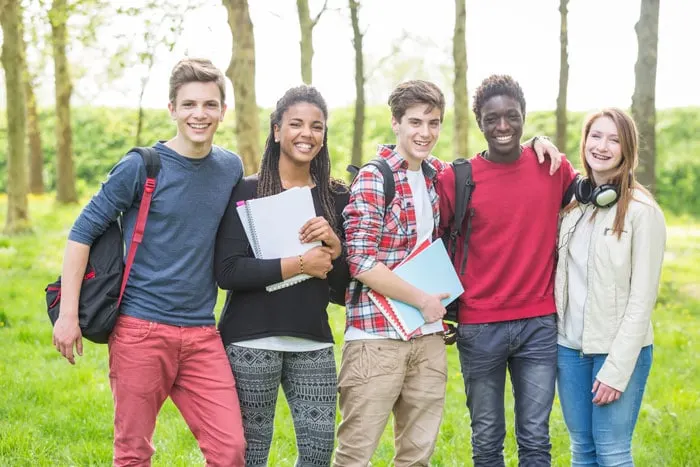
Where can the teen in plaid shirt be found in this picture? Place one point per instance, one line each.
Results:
(383, 238)
(381, 374)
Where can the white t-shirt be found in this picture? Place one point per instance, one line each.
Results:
(425, 222)
(577, 273)
(284, 344)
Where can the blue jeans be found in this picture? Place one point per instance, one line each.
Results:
(599, 435)
(528, 349)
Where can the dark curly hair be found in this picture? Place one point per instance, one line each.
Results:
(269, 181)
(497, 85)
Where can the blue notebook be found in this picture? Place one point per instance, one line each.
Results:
(429, 268)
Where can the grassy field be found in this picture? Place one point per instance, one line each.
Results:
(52, 414)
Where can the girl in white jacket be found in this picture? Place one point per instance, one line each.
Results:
(611, 246)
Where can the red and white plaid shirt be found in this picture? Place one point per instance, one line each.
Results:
(372, 237)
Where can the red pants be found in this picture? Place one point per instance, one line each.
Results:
(150, 361)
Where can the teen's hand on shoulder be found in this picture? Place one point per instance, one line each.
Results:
(542, 145)
(66, 334)
(318, 229)
(431, 308)
(317, 262)
(604, 394)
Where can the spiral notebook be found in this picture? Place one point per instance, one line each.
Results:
(272, 225)
(429, 268)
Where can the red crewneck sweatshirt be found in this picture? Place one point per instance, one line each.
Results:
(510, 263)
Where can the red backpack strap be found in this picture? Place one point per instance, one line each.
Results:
(152, 161)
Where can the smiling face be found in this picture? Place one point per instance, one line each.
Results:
(197, 110)
(603, 150)
(502, 125)
(417, 133)
(300, 133)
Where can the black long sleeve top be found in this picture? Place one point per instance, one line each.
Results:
(250, 312)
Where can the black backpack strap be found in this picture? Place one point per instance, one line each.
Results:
(389, 194)
(353, 170)
(387, 176)
(464, 187)
(151, 159)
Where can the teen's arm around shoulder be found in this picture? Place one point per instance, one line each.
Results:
(364, 219)
(648, 244)
(116, 195)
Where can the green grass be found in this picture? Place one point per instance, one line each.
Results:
(52, 414)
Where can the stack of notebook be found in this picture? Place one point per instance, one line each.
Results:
(428, 268)
(272, 225)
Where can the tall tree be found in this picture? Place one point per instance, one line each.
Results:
(162, 24)
(359, 120)
(65, 176)
(36, 153)
(241, 72)
(460, 138)
(17, 204)
(563, 76)
(644, 97)
(307, 25)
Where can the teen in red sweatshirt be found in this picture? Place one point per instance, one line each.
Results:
(507, 312)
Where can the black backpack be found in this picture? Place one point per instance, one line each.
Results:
(106, 274)
(464, 186)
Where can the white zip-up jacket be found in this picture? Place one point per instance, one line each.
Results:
(622, 285)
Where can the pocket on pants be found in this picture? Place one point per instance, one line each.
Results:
(469, 332)
(548, 321)
(383, 358)
(130, 331)
(363, 360)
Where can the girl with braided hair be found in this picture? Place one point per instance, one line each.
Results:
(283, 337)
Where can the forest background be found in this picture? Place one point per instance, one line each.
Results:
(85, 80)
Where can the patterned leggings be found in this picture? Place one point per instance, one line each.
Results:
(310, 384)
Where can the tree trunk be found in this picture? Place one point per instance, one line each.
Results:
(644, 97)
(65, 177)
(307, 47)
(36, 153)
(241, 72)
(140, 114)
(17, 204)
(460, 139)
(563, 76)
(359, 121)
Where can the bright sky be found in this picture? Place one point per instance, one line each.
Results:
(517, 37)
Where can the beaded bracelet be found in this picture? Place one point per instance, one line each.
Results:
(301, 264)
